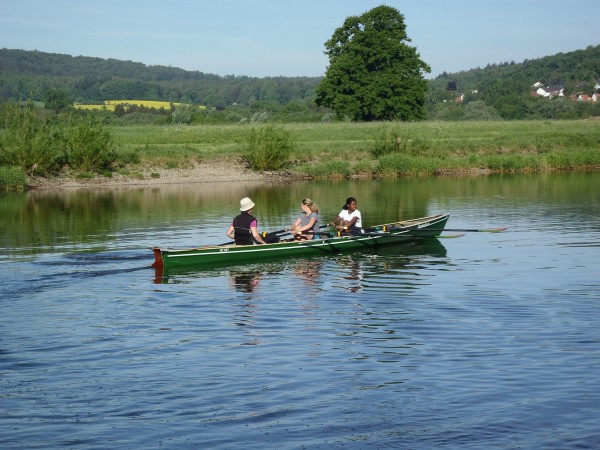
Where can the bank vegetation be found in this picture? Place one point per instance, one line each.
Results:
(35, 142)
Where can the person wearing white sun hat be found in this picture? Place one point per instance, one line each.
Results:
(244, 227)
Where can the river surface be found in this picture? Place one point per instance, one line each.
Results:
(486, 341)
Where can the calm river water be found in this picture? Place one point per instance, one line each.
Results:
(485, 341)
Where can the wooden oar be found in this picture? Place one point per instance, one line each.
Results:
(462, 230)
(266, 233)
(479, 230)
(401, 234)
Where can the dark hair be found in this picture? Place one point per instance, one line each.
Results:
(348, 201)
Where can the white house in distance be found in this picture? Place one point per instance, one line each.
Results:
(548, 91)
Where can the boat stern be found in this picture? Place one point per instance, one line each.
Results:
(158, 259)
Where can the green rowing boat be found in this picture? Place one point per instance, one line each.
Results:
(329, 243)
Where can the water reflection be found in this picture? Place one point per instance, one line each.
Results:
(246, 282)
(402, 262)
(309, 270)
(34, 222)
(349, 272)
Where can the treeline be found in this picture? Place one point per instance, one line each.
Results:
(505, 90)
(577, 72)
(27, 75)
(498, 91)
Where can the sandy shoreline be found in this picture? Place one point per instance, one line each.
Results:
(206, 172)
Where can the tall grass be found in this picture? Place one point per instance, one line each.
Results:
(349, 149)
(42, 143)
(336, 149)
(268, 148)
(12, 179)
(30, 141)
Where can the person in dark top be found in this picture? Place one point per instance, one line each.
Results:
(244, 228)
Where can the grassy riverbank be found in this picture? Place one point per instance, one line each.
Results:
(154, 153)
(384, 149)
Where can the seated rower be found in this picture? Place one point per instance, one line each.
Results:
(308, 223)
(349, 219)
(244, 227)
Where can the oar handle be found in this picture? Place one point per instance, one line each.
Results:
(266, 233)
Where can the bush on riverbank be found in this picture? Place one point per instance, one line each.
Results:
(43, 143)
(268, 148)
(12, 179)
(30, 141)
(89, 148)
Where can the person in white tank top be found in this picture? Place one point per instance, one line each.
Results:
(349, 218)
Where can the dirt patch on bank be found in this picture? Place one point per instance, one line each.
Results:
(205, 172)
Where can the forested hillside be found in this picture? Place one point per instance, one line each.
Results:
(498, 91)
(508, 87)
(29, 74)
(576, 71)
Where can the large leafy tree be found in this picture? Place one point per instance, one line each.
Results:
(373, 73)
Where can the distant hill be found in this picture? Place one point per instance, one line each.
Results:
(577, 71)
(29, 74)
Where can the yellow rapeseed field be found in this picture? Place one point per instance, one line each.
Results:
(109, 105)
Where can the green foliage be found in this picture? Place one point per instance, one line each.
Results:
(373, 73)
(504, 86)
(404, 165)
(575, 70)
(390, 141)
(507, 87)
(587, 158)
(89, 147)
(12, 179)
(512, 163)
(30, 141)
(268, 148)
(57, 100)
(89, 79)
(330, 169)
(183, 115)
(41, 143)
(478, 110)
(399, 140)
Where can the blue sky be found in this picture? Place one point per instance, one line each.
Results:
(272, 38)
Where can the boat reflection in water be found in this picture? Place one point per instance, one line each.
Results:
(352, 268)
(246, 281)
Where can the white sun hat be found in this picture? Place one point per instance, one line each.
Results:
(246, 204)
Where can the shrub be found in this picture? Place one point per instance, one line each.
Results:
(12, 178)
(29, 141)
(363, 167)
(513, 163)
(405, 165)
(330, 169)
(388, 142)
(570, 159)
(89, 147)
(268, 148)
(183, 114)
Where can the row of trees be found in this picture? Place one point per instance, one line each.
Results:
(216, 92)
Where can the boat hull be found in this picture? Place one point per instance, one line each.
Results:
(396, 233)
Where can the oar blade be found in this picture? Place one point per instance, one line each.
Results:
(494, 230)
(450, 236)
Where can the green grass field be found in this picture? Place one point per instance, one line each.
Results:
(391, 149)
